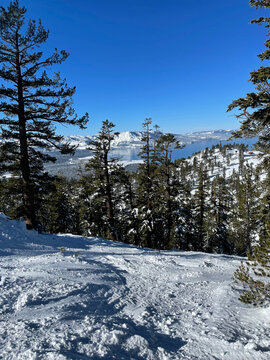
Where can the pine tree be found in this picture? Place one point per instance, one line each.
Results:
(255, 106)
(127, 207)
(217, 238)
(255, 273)
(146, 169)
(92, 207)
(145, 188)
(166, 187)
(103, 174)
(245, 211)
(185, 229)
(241, 159)
(255, 114)
(59, 211)
(32, 103)
(200, 199)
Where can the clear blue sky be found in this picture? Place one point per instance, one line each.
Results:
(180, 62)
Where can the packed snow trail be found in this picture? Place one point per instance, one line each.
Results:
(97, 299)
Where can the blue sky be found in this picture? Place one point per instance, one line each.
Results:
(180, 62)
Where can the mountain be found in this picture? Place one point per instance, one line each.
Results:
(131, 139)
(126, 147)
(208, 135)
(70, 297)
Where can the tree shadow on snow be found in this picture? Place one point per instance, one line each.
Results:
(103, 306)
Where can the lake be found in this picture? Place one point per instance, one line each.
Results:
(129, 154)
(68, 165)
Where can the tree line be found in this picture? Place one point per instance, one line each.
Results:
(203, 203)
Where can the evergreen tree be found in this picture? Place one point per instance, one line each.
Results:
(255, 273)
(102, 177)
(166, 185)
(243, 226)
(255, 106)
(59, 209)
(146, 170)
(92, 207)
(255, 114)
(217, 238)
(241, 159)
(200, 199)
(10, 196)
(32, 103)
(145, 187)
(185, 231)
(127, 210)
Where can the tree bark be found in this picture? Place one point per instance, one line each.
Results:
(109, 205)
(28, 196)
(169, 202)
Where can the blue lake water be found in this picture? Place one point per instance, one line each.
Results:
(132, 153)
(68, 165)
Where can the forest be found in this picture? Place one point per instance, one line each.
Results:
(187, 204)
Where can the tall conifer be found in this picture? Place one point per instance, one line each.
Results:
(103, 172)
(145, 186)
(167, 182)
(32, 102)
(255, 106)
(255, 114)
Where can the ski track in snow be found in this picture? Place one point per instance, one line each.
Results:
(115, 301)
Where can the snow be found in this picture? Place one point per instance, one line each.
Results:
(133, 139)
(98, 299)
(251, 158)
(125, 163)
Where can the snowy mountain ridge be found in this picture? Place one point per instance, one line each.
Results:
(133, 138)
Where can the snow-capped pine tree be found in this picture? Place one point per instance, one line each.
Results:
(255, 114)
(200, 202)
(92, 207)
(217, 237)
(185, 224)
(255, 273)
(145, 187)
(243, 210)
(102, 176)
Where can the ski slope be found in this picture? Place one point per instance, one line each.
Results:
(97, 299)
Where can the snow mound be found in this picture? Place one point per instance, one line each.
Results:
(69, 297)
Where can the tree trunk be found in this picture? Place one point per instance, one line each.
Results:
(109, 205)
(28, 197)
(169, 203)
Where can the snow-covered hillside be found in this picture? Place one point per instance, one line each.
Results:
(211, 134)
(97, 299)
(222, 164)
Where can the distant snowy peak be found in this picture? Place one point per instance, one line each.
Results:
(128, 139)
(134, 138)
(81, 142)
(124, 139)
(214, 134)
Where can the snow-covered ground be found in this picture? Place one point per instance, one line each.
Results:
(251, 158)
(97, 299)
